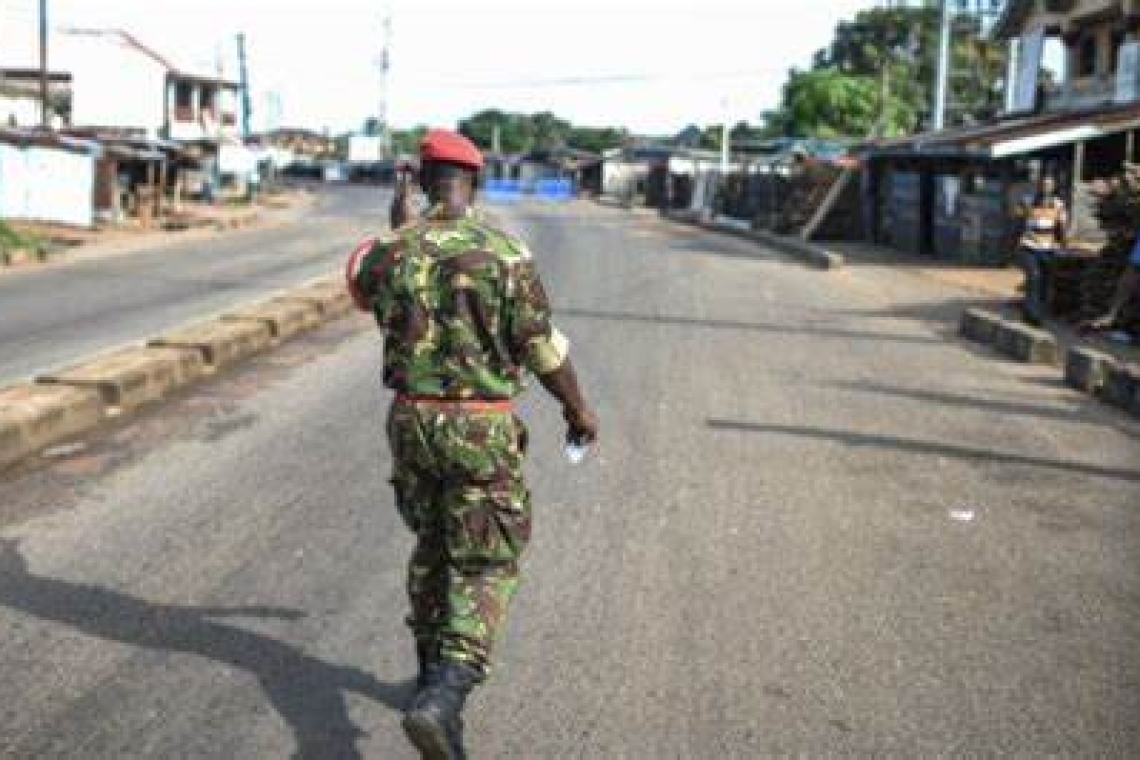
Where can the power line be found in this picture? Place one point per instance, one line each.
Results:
(603, 79)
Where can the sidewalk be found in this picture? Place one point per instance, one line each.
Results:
(195, 221)
(999, 289)
(955, 291)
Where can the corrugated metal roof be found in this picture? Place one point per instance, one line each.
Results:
(1015, 136)
(35, 137)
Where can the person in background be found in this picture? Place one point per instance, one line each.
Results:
(1045, 222)
(1127, 288)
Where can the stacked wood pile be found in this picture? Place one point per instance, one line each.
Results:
(1118, 211)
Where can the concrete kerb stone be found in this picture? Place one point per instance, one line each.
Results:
(979, 325)
(1087, 368)
(806, 251)
(812, 253)
(220, 343)
(65, 403)
(331, 300)
(1121, 387)
(33, 417)
(284, 318)
(129, 378)
(1026, 344)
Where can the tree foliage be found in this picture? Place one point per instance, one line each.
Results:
(407, 141)
(889, 52)
(522, 133)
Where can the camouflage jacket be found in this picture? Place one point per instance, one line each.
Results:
(461, 305)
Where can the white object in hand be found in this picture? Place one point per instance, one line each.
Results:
(576, 452)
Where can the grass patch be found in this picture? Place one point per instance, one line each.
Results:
(13, 240)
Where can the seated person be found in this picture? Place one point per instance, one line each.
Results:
(1043, 234)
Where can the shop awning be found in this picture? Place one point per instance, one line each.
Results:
(1014, 137)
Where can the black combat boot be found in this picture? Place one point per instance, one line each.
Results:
(433, 723)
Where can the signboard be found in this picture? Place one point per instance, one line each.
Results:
(1031, 48)
(1128, 73)
(365, 148)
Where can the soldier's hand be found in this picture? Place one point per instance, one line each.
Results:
(582, 424)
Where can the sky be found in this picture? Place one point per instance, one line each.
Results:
(651, 66)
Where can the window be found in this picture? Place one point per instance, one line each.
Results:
(1119, 39)
(183, 95)
(1086, 56)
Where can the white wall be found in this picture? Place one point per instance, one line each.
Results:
(47, 185)
(25, 109)
(113, 85)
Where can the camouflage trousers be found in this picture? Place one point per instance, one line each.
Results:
(459, 488)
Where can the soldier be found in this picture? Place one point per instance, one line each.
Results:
(465, 316)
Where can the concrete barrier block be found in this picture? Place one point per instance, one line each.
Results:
(812, 253)
(284, 318)
(1085, 368)
(1027, 344)
(1121, 387)
(126, 379)
(979, 325)
(331, 300)
(220, 343)
(33, 417)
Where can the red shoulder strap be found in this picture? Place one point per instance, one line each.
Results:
(352, 271)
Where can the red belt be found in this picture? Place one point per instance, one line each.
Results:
(456, 404)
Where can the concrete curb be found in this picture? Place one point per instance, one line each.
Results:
(64, 404)
(132, 377)
(806, 251)
(285, 318)
(1086, 370)
(329, 298)
(1012, 339)
(220, 343)
(33, 417)
(1121, 387)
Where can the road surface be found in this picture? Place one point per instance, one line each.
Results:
(818, 525)
(52, 315)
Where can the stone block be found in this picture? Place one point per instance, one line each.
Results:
(220, 343)
(1085, 369)
(284, 318)
(33, 417)
(135, 376)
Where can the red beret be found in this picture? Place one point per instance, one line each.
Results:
(452, 147)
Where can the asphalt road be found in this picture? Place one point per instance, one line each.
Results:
(52, 315)
(818, 525)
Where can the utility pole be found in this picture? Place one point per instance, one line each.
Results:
(246, 108)
(382, 104)
(725, 137)
(939, 113)
(44, 109)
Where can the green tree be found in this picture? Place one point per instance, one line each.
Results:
(597, 139)
(550, 132)
(828, 103)
(894, 52)
(516, 132)
(407, 141)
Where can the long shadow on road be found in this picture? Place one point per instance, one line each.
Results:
(1078, 414)
(724, 324)
(912, 446)
(307, 692)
